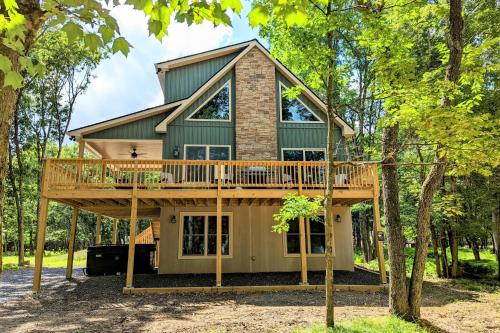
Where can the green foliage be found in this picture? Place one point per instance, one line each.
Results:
(487, 264)
(387, 324)
(295, 206)
(408, 47)
(91, 23)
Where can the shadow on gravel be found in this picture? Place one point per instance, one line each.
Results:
(96, 304)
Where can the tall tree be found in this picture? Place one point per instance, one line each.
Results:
(427, 91)
(314, 39)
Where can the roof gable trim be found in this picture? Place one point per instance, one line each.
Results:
(78, 133)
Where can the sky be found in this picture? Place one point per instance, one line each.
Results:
(123, 85)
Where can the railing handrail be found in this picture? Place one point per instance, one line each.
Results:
(209, 162)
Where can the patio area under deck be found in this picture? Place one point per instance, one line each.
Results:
(135, 189)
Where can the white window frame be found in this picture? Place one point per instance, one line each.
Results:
(228, 84)
(180, 254)
(320, 121)
(308, 243)
(303, 152)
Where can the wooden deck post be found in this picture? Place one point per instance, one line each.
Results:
(377, 227)
(302, 236)
(98, 229)
(131, 243)
(133, 225)
(303, 251)
(74, 218)
(42, 228)
(71, 244)
(114, 232)
(218, 259)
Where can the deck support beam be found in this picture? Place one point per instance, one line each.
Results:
(303, 251)
(302, 236)
(114, 231)
(379, 246)
(218, 259)
(40, 244)
(71, 244)
(133, 225)
(131, 244)
(98, 229)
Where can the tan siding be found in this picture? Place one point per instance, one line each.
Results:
(252, 237)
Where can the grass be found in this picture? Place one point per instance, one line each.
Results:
(465, 256)
(50, 259)
(386, 324)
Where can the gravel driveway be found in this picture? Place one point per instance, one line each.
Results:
(15, 284)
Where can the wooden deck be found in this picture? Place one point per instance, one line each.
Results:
(107, 186)
(139, 188)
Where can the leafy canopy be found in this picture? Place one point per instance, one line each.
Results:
(90, 21)
(295, 206)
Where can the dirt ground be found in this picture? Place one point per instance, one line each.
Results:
(97, 305)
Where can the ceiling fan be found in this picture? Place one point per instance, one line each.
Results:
(133, 153)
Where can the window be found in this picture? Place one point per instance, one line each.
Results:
(198, 235)
(294, 110)
(315, 237)
(216, 108)
(207, 152)
(202, 173)
(304, 154)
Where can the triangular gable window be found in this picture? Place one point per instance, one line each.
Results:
(293, 109)
(217, 107)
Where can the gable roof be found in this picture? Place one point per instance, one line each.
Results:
(128, 118)
(245, 47)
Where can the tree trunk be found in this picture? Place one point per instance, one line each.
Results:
(444, 256)
(365, 237)
(398, 300)
(436, 173)
(475, 249)
(495, 219)
(33, 20)
(429, 187)
(452, 235)
(435, 246)
(8, 98)
(329, 289)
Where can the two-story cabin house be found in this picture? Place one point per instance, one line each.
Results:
(211, 166)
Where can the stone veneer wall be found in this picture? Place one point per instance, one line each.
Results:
(256, 132)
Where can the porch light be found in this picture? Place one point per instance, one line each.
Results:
(173, 220)
(176, 152)
(337, 218)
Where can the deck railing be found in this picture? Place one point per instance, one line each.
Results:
(69, 174)
(145, 236)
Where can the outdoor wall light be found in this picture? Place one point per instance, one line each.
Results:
(337, 218)
(173, 220)
(176, 152)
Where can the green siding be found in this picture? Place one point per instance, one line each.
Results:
(302, 135)
(140, 129)
(182, 82)
(182, 131)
